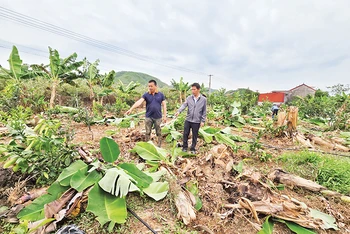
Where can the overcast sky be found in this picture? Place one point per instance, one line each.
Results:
(263, 45)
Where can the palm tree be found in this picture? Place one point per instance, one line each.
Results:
(60, 70)
(181, 87)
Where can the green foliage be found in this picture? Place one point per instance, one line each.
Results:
(171, 133)
(346, 136)
(65, 177)
(192, 187)
(179, 123)
(82, 179)
(98, 109)
(329, 222)
(111, 183)
(117, 182)
(35, 211)
(208, 133)
(148, 152)
(295, 227)
(157, 190)
(239, 167)
(246, 97)
(272, 130)
(120, 106)
(334, 109)
(43, 151)
(107, 207)
(330, 171)
(181, 88)
(143, 180)
(19, 113)
(267, 227)
(109, 149)
(225, 139)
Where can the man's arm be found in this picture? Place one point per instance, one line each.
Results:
(136, 104)
(164, 111)
(182, 108)
(204, 116)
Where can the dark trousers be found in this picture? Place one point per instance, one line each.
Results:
(195, 129)
(149, 123)
(274, 113)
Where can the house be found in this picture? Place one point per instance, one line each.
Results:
(274, 97)
(283, 96)
(302, 91)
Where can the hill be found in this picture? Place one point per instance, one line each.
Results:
(142, 78)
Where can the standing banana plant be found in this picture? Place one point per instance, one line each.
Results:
(181, 87)
(91, 73)
(128, 89)
(60, 70)
(105, 83)
(16, 73)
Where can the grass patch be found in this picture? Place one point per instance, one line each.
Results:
(330, 171)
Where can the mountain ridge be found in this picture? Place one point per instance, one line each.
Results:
(142, 78)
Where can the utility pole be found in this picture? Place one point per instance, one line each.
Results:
(209, 84)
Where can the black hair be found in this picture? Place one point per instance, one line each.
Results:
(196, 85)
(153, 81)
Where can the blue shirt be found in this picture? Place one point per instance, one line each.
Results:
(154, 104)
(274, 107)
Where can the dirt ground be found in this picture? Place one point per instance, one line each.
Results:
(209, 171)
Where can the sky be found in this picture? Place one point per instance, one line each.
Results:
(263, 45)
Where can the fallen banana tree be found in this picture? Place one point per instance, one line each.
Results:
(285, 178)
(259, 197)
(104, 185)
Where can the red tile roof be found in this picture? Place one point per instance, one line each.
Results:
(271, 97)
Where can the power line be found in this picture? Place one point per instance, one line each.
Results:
(32, 22)
(8, 45)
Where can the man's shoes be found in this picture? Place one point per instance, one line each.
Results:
(193, 152)
(184, 150)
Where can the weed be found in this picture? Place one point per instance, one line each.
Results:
(6, 227)
(330, 171)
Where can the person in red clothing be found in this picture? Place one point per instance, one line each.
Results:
(154, 102)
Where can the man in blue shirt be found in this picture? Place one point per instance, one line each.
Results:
(154, 102)
(196, 105)
(274, 110)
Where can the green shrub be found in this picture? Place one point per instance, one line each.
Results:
(332, 172)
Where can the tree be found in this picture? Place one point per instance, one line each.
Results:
(60, 70)
(181, 87)
(320, 93)
(339, 89)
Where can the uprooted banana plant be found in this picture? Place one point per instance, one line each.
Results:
(104, 185)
